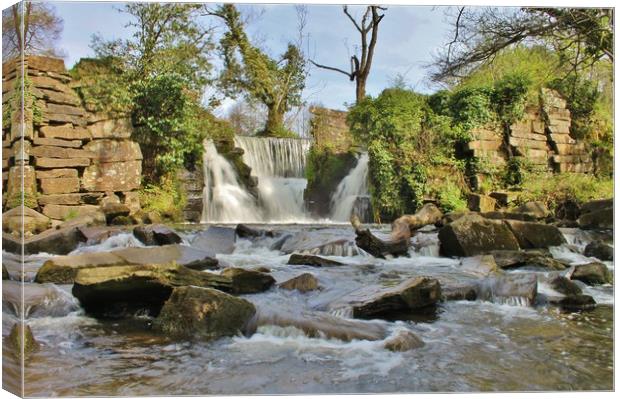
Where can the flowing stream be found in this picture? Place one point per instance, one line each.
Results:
(351, 195)
(482, 345)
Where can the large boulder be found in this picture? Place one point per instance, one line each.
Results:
(598, 249)
(592, 206)
(526, 258)
(63, 269)
(203, 313)
(311, 260)
(124, 290)
(535, 208)
(575, 302)
(535, 235)
(410, 296)
(24, 219)
(303, 283)
(481, 203)
(592, 273)
(248, 281)
(597, 215)
(244, 231)
(52, 241)
(219, 240)
(156, 234)
(512, 289)
(564, 286)
(472, 235)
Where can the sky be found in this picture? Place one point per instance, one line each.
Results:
(408, 37)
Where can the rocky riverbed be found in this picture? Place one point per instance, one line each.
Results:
(307, 311)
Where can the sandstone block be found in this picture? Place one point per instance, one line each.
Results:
(14, 185)
(540, 145)
(60, 152)
(60, 185)
(76, 120)
(22, 150)
(68, 211)
(60, 199)
(538, 127)
(111, 128)
(57, 97)
(114, 151)
(484, 145)
(112, 176)
(559, 129)
(46, 82)
(66, 131)
(57, 142)
(61, 163)
(64, 109)
(54, 173)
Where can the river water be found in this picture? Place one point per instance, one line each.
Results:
(469, 346)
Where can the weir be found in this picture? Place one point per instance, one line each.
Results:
(351, 195)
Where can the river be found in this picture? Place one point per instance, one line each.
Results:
(469, 346)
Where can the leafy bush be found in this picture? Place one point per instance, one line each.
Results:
(166, 199)
(509, 97)
(451, 198)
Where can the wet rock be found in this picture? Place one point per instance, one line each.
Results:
(5, 273)
(21, 340)
(535, 235)
(312, 260)
(248, 281)
(38, 300)
(244, 231)
(592, 273)
(480, 203)
(403, 341)
(203, 313)
(95, 218)
(535, 208)
(602, 218)
(320, 324)
(113, 211)
(263, 269)
(526, 258)
(219, 240)
(156, 234)
(97, 234)
(512, 289)
(63, 269)
(54, 241)
(120, 291)
(408, 296)
(24, 219)
(501, 215)
(303, 283)
(124, 221)
(473, 235)
(592, 206)
(575, 302)
(481, 265)
(598, 249)
(461, 292)
(451, 217)
(564, 286)
(335, 242)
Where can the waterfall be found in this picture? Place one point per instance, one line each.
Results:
(280, 165)
(224, 198)
(352, 193)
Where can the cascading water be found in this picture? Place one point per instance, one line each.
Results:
(279, 164)
(224, 198)
(352, 193)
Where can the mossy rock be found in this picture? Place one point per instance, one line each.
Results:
(21, 338)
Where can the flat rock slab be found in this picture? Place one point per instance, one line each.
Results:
(535, 235)
(219, 240)
(472, 235)
(248, 281)
(122, 290)
(156, 234)
(53, 241)
(592, 273)
(378, 302)
(531, 258)
(63, 269)
(318, 241)
(312, 260)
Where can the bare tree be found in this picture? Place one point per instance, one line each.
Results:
(360, 67)
(581, 36)
(31, 28)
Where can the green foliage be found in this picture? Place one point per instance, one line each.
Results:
(166, 199)
(276, 83)
(72, 214)
(509, 97)
(451, 198)
(551, 190)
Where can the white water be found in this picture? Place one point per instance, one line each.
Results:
(353, 186)
(280, 165)
(224, 198)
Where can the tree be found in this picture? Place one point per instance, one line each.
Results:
(31, 28)
(158, 75)
(581, 37)
(360, 67)
(247, 69)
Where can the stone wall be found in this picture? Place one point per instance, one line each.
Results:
(70, 158)
(329, 128)
(541, 139)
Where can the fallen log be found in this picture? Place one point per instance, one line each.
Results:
(402, 229)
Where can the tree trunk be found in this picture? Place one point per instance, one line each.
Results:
(360, 88)
(402, 228)
(275, 123)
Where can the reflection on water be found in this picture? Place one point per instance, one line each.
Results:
(469, 346)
